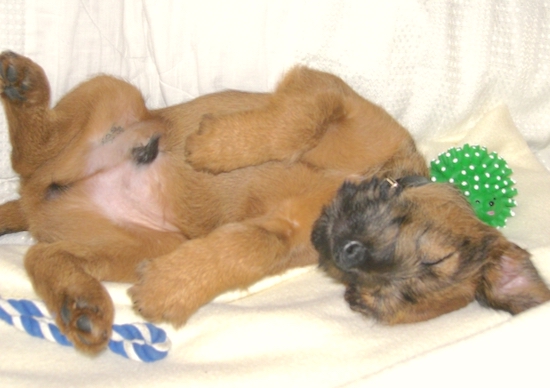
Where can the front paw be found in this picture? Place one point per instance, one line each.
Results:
(356, 302)
(205, 149)
(86, 318)
(22, 80)
(164, 293)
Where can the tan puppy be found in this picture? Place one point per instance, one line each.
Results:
(214, 194)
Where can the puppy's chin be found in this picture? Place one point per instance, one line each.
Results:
(389, 306)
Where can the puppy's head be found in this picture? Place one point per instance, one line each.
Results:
(411, 252)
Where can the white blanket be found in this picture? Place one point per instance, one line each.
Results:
(452, 72)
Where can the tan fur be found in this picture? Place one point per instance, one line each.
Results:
(232, 197)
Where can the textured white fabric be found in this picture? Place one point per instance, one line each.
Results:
(450, 71)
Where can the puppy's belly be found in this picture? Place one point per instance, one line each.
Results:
(131, 194)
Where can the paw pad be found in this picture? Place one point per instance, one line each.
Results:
(83, 320)
(15, 82)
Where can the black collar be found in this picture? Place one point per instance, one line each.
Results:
(408, 181)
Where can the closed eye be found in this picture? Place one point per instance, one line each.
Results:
(430, 263)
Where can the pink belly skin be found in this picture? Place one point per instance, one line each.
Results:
(125, 191)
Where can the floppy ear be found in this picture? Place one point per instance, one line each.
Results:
(510, 281)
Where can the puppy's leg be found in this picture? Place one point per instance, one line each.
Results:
(12, 218)
(91, 115)
(305, 104)
(63, 276)
(172, 287)
(25, 94)
(68, 275)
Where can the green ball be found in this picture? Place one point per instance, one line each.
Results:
(484, 179)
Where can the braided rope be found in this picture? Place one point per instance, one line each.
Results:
(138, 341)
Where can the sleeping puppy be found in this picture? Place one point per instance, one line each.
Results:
(193, 200)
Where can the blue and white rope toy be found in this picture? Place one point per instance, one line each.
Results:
(138, 341)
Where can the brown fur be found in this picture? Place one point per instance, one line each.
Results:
(196, 199)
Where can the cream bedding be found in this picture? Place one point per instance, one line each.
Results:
(452, 72)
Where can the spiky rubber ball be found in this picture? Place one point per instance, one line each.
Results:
(484, 179)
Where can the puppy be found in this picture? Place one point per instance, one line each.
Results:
(214, 194)
(366, 238)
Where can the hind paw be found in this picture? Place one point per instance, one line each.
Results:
(22, 80)
(86, 321)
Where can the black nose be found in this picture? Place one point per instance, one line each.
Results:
(351, 255)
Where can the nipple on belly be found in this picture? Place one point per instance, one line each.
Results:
(147, 153)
